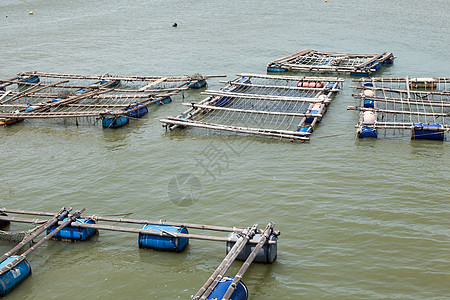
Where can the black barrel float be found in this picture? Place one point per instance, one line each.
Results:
(267, 254)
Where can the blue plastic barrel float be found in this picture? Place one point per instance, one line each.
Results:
(222, 101)
(367, 132)
(198, 84)
(240, 293)
(114, 122)
(368, 103)
(276, 68)
(29, 79)
(375, 65)
(13, 277)
(314, 110)
(31, 107)
(428, 132)
(143, 110)
(389, 60)
(306, 129)
(166, 243)
(111, 84)
(331, 85)
(74, 233)
(267, 254)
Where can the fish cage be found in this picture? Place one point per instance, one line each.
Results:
(250, 244)
(113, 99)
(274, 106)
(315, 61)
(420, 106)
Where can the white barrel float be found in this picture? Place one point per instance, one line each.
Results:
(70, 233)
(267, 254)
(240, 293)
(423, 82)
(13, 277)
(165, 243)
(369, 117)
(314, 110)
(368, 93)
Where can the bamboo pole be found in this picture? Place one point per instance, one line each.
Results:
(211, 283)
(22, 220)
(320, 67)
(253, 111)
(113, 77)
(8, 82)
(22, 257)
(407, 87)
(353, 55)
(281, 87)
(55, 217)
(258, 131)
(400, 79)
(403, 112)
(262, 97)
(371, 60)
(4, 95)
(37, 90)
(291, 56)
(131, 221)
(138, 230)
(51, 115)
(294, 78)
(392, 90)
(153, 83)
(393, 125)
(248, 261)
(421, 102)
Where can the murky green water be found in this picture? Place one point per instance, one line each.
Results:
(360, 219)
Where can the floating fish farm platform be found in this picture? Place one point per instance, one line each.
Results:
(316, 61)
(421, 105)
(275, 106)
(249, 244)
(113, 99)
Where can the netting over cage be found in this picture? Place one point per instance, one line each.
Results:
(313, 60)
(404, 103)
(279, 106)
(49, 95)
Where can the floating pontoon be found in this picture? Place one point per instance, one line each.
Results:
(250, 244)
(316, 61)
(277, 106)
(114, 99)
(421, 105)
